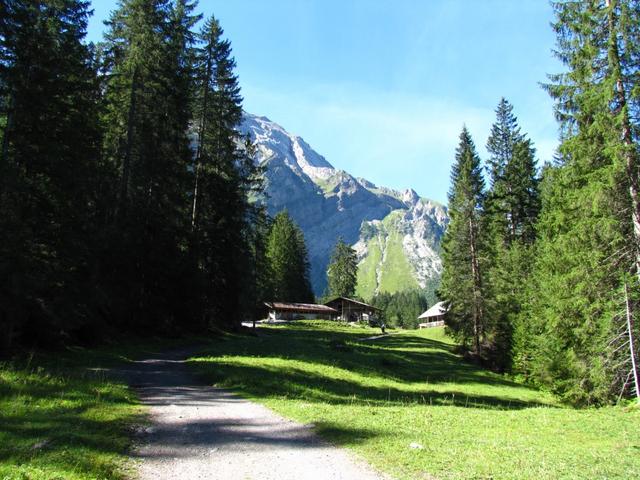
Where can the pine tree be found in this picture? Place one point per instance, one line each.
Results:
(463, 245)
(511, 211)
(260, 275)
(513, 198)
(48, 167)
(288, 259)
(97, 222)
(223, 233)
(401, 309)
(301, 267)
(147, 87)
(588, 239)
(342, 273)
(218, 110)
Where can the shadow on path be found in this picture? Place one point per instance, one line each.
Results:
(198, 431)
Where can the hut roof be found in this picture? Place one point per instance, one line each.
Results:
(336, 302)
(436, 310)
(300, 307)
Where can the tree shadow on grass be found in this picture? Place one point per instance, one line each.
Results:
(73, 426)
(401, 358)
(296, 383)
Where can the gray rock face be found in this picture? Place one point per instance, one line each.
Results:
(328, 203)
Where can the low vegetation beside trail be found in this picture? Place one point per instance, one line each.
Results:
(414, 409)
(65, 416)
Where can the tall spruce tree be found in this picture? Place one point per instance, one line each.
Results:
(98, 224)
(145, 122)
(342, 273)
(288, 259)
(511, 211)
(48, 168)
(588, 231)
(225, 175)
(462, 248)
(513, 198)
(259, 275)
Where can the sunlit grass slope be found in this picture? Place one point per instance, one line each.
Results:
(411, 407)
(385, 268)
(368, 269)
(62, 418)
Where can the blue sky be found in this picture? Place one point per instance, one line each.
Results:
(381, 88)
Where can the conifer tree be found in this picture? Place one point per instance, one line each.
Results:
(513, 199)
(588, 235)
(146, 118)
(259, 277)
(48, 167)
(511, 210)
(218, 110)
(98, 225)
(463, 246)
(342, 272)
(288, 258)
(401, 309)
(225, 175)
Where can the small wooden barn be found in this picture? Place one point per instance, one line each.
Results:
(352, 310)
(433, 317)
(298, 311)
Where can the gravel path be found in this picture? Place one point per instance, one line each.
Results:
(200, 432)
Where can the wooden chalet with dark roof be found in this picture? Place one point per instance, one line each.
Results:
(294, 311)
(351, 310)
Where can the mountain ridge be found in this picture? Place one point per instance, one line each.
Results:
(328, 203)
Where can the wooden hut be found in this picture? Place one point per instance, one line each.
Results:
(352, 310)
(434, 317)
(298, 311)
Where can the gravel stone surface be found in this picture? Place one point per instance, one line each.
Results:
(202, 432)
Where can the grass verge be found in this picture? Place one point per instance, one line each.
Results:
(412, 408)
(63, 418)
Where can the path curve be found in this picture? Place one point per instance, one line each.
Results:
(202, 432)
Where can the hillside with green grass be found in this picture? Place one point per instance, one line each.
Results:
(385, 268)
(414, 409)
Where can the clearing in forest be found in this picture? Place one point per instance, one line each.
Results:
(413, 408)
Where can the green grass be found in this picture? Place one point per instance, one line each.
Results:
(379, 397)
(62, 425)
(367, 270)
(62, 418)
(397, 274)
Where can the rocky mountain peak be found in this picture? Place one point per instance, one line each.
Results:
(328, 203)
(410, 197)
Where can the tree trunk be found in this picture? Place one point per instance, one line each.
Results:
(634, 364)
(475, 272)
(5, 134)
(630, 152)
(205, 107)
(4, 159)
(126, 164)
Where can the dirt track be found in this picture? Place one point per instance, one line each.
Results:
(201, 432)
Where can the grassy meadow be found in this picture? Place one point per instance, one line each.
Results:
(404, 402)
(412, 408)
(63, 418)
